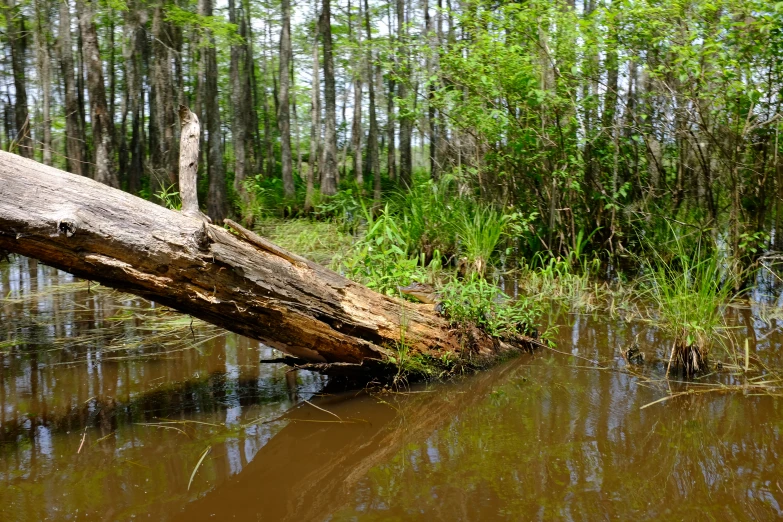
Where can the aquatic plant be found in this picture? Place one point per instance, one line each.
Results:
(688, 294)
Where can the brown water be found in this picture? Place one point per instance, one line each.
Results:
(107, 404)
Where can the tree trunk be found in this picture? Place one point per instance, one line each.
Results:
(283, 115)
(329, 176)
(16, 34)
(373, 163)
(74, 132)
(315, 121)
(406, 120)
(217, 202)
(163, 172)
(239, 101)
(44, 72)
(102, 125)
(242, 283)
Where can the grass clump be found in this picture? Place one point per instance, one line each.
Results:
(688, 292)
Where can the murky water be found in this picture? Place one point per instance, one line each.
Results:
(108, 403)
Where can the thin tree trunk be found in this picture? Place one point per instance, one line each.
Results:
(315, 120)
(406, 120)
(44, 72)
(239, 98)
(373, 163)
(329, 176)
(16, 34)
(163, 171)
(102, 126)
(356, 126)
(131, 161)
(391, 152)
(283, 115)
(217, 201)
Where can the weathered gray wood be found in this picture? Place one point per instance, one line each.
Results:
(190, 130)
(106, 235)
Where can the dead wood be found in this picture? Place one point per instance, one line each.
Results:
(242, 283)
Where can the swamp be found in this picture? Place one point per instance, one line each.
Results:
(355, 260)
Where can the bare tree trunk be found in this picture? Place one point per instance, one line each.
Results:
(406, 120)
(44, 75)
(132, 56)
(315, 121)
(373, 163)
(74, 132)
(329, 176)
(217, 202)
(356, 123)
(102, 125)
(283, 115)
(391, 152)
(163, 171)
(190, 133)
(16, 34)
(240, 107)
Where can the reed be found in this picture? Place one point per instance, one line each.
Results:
(688, 293)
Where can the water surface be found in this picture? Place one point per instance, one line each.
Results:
(108, 402)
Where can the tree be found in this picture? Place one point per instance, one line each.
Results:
(329, 167)
(102, 124)
(217, 201)
(16, 34)
(284, 118)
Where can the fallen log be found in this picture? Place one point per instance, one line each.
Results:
(241, 282)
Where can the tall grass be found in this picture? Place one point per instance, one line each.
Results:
(688, 292)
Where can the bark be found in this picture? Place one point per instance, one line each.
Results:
(131, 154)
(284, 115)
(356, 128)
(244, 284)
(391, 152)
(74, 131)
(406, 120)
(102, 125)
(329, 174)
(163, 153)
(217, 201)
(44, 75)
(315, 123)
(373, 163)
(16, 34)
(239, 99)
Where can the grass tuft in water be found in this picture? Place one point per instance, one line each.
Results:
(688, 292)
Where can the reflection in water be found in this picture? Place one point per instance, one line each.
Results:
(90, 431)
(106, 401)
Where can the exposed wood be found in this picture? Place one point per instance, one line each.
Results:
(190, 130)
(243, 284)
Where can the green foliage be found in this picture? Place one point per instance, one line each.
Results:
(224, 32)
(480, 302)
(479, 233)
(688, 293)
(169, 196)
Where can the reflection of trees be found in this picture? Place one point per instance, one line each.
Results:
(310, 469)
(578, 447)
